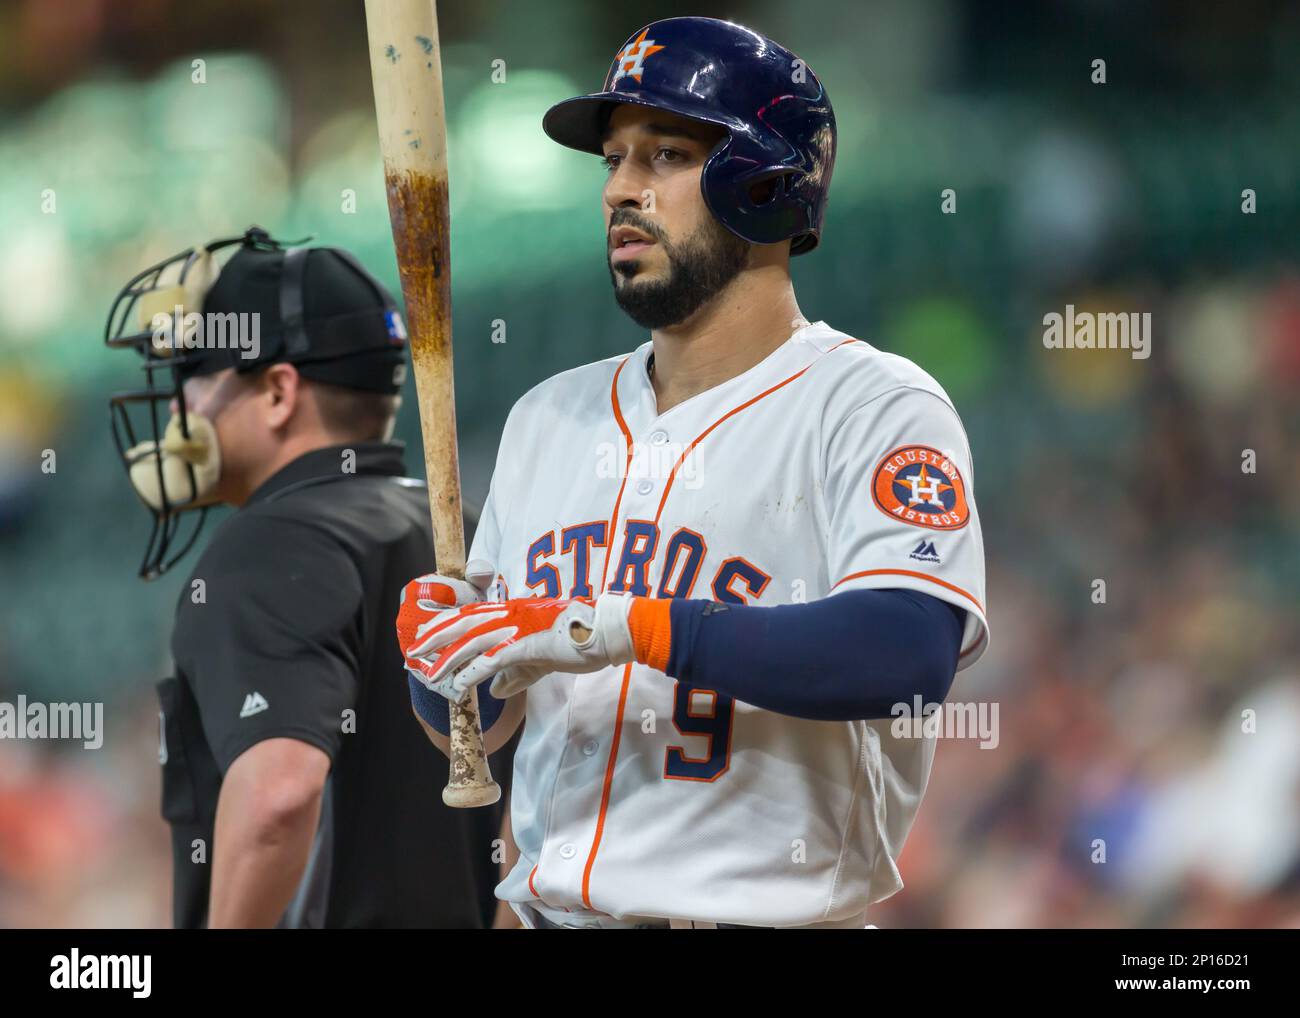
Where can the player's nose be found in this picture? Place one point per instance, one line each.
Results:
(625, 188)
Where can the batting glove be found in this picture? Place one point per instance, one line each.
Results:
(424, 600)
(519, 641)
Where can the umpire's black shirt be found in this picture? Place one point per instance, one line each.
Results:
(286, 630)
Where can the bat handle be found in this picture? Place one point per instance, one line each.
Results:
(471, 781)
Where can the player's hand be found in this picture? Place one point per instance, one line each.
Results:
(519, 641)
(425, 599)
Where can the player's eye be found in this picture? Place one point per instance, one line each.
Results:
(610, 162)
(669, 155)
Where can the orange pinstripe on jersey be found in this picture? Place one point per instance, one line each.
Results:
(627, 671)
(933, 579)
(627, 469)
(920, 576)
(730, 413)
(609, 549)
(605, 788)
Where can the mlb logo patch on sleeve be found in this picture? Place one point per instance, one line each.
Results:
(919, 485)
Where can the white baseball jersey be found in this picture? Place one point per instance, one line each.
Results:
(829, 466)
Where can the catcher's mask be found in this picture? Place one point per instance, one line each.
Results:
(187, 316)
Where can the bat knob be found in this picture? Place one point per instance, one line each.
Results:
(469, 796)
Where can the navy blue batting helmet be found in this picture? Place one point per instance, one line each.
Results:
(780, 126)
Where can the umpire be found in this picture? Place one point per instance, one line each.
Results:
(299, 789)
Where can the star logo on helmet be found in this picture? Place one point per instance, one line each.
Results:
(629, 63)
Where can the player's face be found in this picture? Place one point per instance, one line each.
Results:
(667, 254)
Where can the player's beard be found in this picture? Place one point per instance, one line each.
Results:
(699, 268)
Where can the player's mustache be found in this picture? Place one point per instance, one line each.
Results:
(624, 217)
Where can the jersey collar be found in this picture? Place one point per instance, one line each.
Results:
(372, 458)
(805, 345)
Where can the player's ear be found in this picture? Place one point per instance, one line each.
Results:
(279, 393)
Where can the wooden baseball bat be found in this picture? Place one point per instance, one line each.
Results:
(406, 66)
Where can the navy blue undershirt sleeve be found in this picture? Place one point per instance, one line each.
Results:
(851, 656)
(434, 710)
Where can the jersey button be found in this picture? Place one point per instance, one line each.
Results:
(568, 851)
(658, 438)
(590, 747)
(644, 487)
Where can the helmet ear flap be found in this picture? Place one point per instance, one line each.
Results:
(760, 205)
(770, 189)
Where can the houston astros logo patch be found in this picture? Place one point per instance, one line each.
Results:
(921, 486)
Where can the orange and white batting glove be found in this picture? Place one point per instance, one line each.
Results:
(519, 641)
(424, 600)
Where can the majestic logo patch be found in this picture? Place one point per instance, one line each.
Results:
(254, 703)
(921, 486)
(630, 61)
(925, 552)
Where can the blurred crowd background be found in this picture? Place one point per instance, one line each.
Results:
(1162, 724)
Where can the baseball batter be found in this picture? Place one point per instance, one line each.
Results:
(712, 567)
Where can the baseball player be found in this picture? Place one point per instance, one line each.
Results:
(713, 566)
